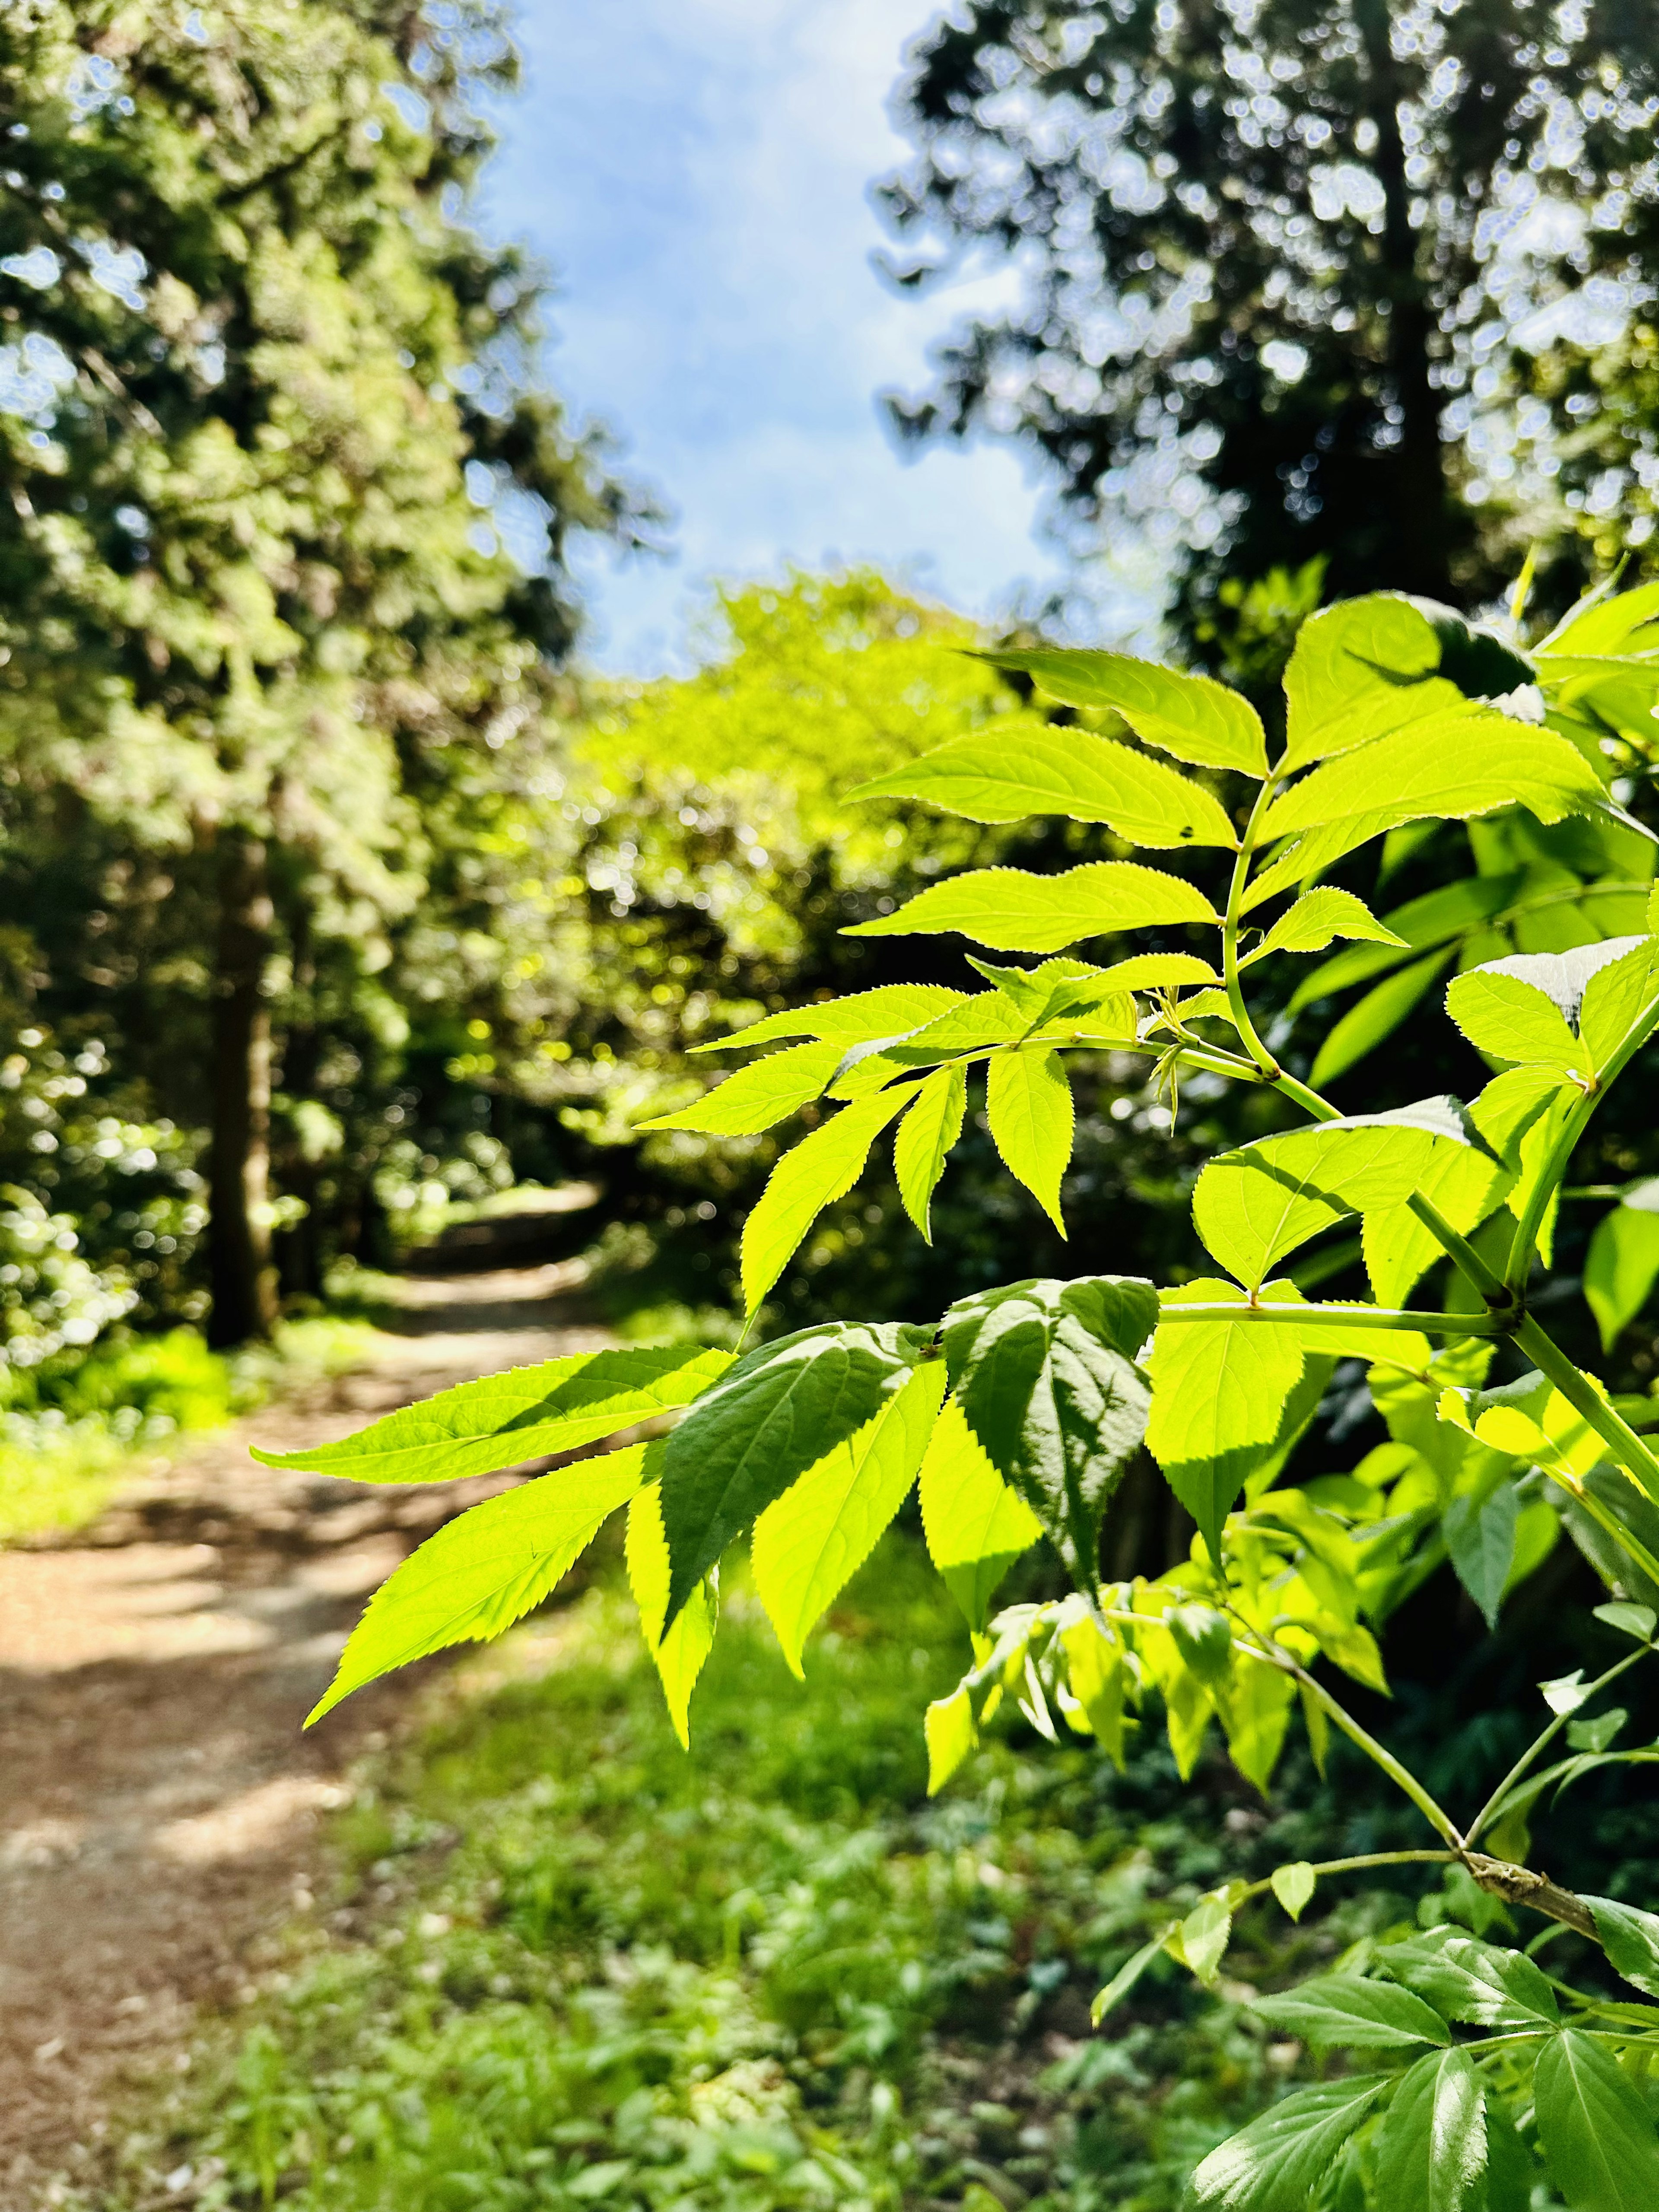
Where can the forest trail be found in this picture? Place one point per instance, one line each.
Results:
(158, 1801)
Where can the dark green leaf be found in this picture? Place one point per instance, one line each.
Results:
(1432, 2149)
(504, 1420)
(777, 1413)
(1622, 1264)
(1465, 1979)
(1481, 1538)
(1346, 2011)
(1631, 1940)
(1047, 1377)
(1377, 1016)
(1598, 2140)
(1279, 2163)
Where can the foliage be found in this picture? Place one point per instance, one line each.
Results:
(1394, 714)
(1287, 272)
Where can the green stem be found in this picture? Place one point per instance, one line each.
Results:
(1340, 1316)
(1363, 1865)
(1536, 1750)
(1258, 1051)
(1575, 1386)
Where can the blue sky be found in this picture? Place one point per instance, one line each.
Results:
(697, 173)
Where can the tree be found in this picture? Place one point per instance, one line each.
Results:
(1275, 260)
(266, 388)
(1018, 1411)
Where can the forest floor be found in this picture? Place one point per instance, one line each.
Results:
(159, 1817)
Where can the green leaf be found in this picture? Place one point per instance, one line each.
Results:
(888, 1010)
(1127, 1976)
(1481, 1538)
(775, 1413)
(1192, 717)
(925, 1138)
(949, 1731)
(485, 1570)
(1061, 991)
(1617, 993)
(1465, 1979)
(1631, 1940)
(809, 1543)
(1070, 772)
(1317, 919)
(1096, 1673)
(1220, 1390)
(680, 1655)
(975, 1526)
(1346, 2012)
(1013, 911)
(1464, 1184)
(812, 1175)
(1255, 1709)
(755, 1097)
(1046, 1375)
(1455, 910)
(1636, 1620)
(525, 1413)
(1203, 1937)
(1280, 2162)
(1294, 1886)
(1432, 2149)
(1377, 1016)
(1253, 1205)
(1361, 669)
(1510, 1019)
(1028, 1098)
(1449, 768)
(1598, 2140)
(1622, 1263)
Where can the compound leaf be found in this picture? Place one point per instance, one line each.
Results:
(485, 1570)
(526, 1413)
(1013, 911)
(925, 1138)
(809, 1543)
(1047, 1378)
(1070, 772)
(1598, 2139)
(975, 1526)
(680, 1655)
(775, 1415)
(810, 1176)
(1028, 1098)
(1192, 717)
(1279, 2163)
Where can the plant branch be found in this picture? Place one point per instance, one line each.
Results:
(1340, 1316)
(1575, 1386)
(1535, 1751)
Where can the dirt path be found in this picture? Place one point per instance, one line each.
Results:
(158, 1801)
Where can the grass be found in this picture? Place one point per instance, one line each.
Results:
(109, 1415)
(566, 1964)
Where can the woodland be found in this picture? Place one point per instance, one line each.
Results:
(1102, 1586)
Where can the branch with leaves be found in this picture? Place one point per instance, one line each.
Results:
(1017, 1415)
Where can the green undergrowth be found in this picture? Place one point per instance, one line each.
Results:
(567, 1963)
(72, 1434)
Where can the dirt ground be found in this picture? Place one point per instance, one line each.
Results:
(159, 1802)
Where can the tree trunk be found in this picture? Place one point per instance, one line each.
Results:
(240, 1272)
(1419, 508)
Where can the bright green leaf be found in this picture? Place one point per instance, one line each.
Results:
(949, 1731)
(975, 1526)
(1069, 773)
(810, 1176)
(1450, 768)
(1598, 2138)
(775, 1415)
(1622, 1264)
(1317, 919)
(525, 1413)
(1510, 1019)
(485, 1570)
(1360, 669)
(1219, 1389)
(1046, 1375)
(1013, 911)
(1202, 1936)
(1294, 1886)
(1345, 2011)
(1096, 1673)
(1029, 1105)
(809, 1543)
(1127, 1976)
(1280, 2161)
(1377, 1016)
(1616, 995)
(1432, 2152)
(680, 1655)
(925, 1138)
(755, 1097)
(891, 1009)
(1254, 1710)
(1192, 717)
